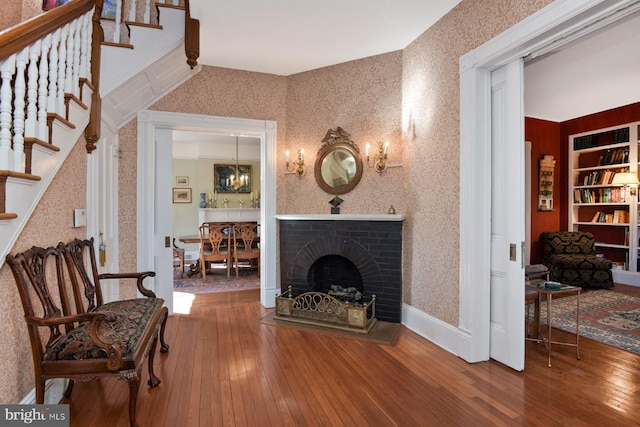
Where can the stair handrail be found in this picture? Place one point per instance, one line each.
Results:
(15, 38)
(24, 34)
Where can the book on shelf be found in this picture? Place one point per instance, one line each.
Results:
(598, 178)
(621, 135)
(615, 156)
(619, 216)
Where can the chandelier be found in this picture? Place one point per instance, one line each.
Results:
(237, 180)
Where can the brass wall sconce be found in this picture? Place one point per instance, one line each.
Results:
(298, 166)
(379, 159)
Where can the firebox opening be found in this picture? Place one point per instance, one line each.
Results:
(336, 275)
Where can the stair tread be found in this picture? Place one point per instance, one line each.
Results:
(124, 45)
(142, 24)
(22, 175)
(170, 6)
(41, 143)
(76, 100)
(56, 116)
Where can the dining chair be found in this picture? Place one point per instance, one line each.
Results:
(215, 245)
(178, 257)
(245, 244)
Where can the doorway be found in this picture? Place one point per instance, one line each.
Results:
(559, 22)
(154, 189)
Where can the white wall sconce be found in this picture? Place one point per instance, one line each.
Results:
(626, 179)
(379, 161)
(298, 165)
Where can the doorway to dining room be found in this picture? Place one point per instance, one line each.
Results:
(199, 163)
(154, 192)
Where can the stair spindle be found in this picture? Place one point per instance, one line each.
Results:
(75, 73)
(53, 73)
(32, 91)
(147, 12)
(132, 11)
(43, 80)
(7, 69)
(20, 90)
(62, 67)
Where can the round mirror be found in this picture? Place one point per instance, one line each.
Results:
(338, 168)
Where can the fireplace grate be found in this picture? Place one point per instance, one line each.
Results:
(320, 309)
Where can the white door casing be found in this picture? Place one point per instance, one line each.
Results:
(559, 22)
(507, 216)
(150, 123)
(102, 206)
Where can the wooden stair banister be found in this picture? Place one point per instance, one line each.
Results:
(50, 94)
(16, 38)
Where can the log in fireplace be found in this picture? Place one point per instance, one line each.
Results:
(318, 252)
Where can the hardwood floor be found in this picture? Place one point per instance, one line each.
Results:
(225, 368)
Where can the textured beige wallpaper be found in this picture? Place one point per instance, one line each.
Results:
(51, 222)
(364, 97)
(215, 92)
(410, 98)
(431, 131)
(14, 12)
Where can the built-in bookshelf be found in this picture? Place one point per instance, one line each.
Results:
(609, 211)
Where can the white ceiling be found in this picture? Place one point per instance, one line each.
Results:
(285, 37)
(596, 73)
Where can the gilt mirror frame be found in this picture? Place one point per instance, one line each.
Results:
(338, 141)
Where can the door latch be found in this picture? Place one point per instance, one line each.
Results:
(167, 241)
(512, 252)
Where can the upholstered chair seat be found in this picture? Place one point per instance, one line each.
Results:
(571, 259)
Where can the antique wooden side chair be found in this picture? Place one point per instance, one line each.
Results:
(215, 245)
(245, 244)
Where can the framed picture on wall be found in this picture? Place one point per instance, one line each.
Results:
(51, 4)
(225, 175)
(181, 195)
(182, 181)
(108, 7)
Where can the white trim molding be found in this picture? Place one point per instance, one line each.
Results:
(148, 123)
(560, 21)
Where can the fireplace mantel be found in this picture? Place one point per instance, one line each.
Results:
(339, 217)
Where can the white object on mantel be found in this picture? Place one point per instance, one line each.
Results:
(228, 214)
(339, 217)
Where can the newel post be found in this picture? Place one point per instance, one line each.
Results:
(92, 131)
(191, 37)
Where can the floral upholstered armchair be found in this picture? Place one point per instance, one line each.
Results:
(571, 258)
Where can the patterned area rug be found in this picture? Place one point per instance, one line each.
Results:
(216, 282)
(606, 316)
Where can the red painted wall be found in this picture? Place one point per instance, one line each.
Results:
(544, 137)
(553, 138)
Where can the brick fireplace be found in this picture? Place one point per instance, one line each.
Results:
(361, 251)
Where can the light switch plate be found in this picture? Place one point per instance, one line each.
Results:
(79, 217)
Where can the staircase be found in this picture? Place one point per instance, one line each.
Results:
(49, 99)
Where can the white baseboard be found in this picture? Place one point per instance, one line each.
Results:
(626, 277)
(53, 391)
(442, 334)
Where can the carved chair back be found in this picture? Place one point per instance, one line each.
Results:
(245, 243)
(215, 244)
(53, 283)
